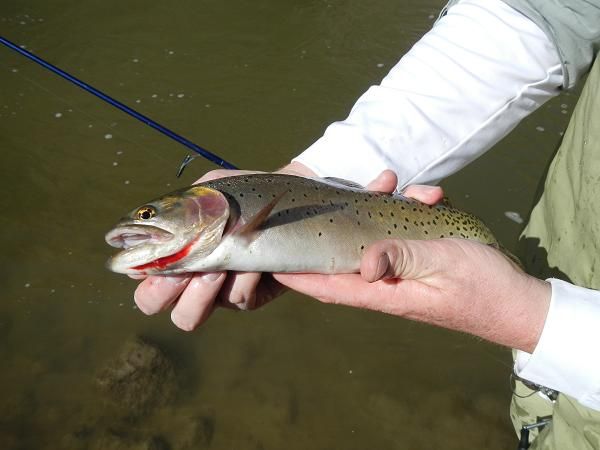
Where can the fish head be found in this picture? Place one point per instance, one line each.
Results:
(163, 235)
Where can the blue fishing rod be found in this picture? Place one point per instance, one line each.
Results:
(117, 104)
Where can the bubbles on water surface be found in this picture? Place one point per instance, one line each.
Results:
(514, 216)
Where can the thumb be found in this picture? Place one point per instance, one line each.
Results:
(398, 259)
(386, 181)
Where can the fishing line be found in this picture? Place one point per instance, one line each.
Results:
(74, 107)
(126, 109)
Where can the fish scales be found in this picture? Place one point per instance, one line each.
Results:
(314, 225)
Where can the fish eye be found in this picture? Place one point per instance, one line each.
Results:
(145, 213)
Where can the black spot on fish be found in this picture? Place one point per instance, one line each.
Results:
(405, 227)
(370, 215)
(391, 214)
(395, 225)
(259, 195)
(362, 247)
(330, 220)
(380, 213)
(358, 223)
(320, 233)
(425, 231)
(241, 194)
(389, 232)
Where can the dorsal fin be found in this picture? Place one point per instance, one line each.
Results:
(343, 182)
(249, 228)
(446, 202)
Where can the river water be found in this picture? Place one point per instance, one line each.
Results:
(256, 82)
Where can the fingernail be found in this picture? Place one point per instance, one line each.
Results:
(183, 323)
(211, 276)
(382, 266)
(176, 279)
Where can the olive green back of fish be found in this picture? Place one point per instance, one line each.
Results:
(333, 219)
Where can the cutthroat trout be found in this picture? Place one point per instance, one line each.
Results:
(275, 223)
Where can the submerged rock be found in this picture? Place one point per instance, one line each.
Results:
(140, 379)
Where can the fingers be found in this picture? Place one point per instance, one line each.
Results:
(197, 301)
(426, 194)
(156, 293)
(386, 181)
(239, 290)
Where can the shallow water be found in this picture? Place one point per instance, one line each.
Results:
(255, 82)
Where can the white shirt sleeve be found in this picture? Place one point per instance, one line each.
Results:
(461, 88)
(566, 356)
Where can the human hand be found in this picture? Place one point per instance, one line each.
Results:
(453, 283)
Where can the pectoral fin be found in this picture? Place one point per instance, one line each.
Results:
(249, 229)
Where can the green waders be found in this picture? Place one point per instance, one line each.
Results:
(562, 240)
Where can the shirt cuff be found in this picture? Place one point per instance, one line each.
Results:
(566, 356)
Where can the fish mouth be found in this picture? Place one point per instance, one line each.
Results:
(135, 235)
